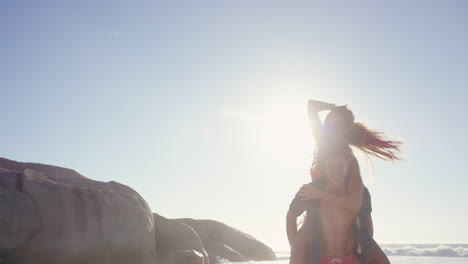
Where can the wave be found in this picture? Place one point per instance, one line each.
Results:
(429, 250)
(447, 250)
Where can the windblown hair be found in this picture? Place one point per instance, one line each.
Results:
(370, 142)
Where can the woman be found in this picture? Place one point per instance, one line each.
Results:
(339, 128)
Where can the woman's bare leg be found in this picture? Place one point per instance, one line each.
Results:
(299, 248)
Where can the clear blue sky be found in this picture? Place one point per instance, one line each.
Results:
(200, 106)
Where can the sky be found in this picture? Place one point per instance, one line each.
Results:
(200, 106)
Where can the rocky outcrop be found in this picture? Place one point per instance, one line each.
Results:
(54, 215)
(18, 219)
(184, 257)
(218, 250)
(198, 227)
(237, 242)
(246, 245)
(217, 239)
(64, 217)
(173, 238)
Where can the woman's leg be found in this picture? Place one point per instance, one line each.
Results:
(299, 247)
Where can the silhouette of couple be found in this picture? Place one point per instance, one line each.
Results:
(337, 226)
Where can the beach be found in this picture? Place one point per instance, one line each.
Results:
(393, 260)
(404, 254)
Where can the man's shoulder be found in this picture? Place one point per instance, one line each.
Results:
(366, 191)
(366, 200)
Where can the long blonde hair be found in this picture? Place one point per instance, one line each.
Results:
(368, 141)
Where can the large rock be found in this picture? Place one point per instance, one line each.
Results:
(237, 240)
(216, 250)
(18, 220)
(175, 240)
(184, 257)
(198, 227)
(81, 220)
(221, 240)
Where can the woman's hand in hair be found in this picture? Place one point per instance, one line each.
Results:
(317, 106)
(313, 107)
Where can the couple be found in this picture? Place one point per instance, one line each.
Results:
(337, 227)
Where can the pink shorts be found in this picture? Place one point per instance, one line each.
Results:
(345, 260)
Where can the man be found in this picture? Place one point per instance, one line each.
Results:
(341, 231)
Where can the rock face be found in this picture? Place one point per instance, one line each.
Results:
(236, 242)
(225, 252)
(61, 216)
(173, 236)
(211, 238)
(54, 215)
(18, 219)
(184, 257)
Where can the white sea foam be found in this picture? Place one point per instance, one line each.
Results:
(393, 260)
(426, 250)
(432, 250)
(400, 254)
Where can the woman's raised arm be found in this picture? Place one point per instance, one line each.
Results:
(313, 108)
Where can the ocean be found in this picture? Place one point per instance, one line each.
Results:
(404, 254)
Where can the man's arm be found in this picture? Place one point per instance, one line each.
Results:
(296, 208)
(378, 256)
(291, 226)
(353, 201)
(370, 224)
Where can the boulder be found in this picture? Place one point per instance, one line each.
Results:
(184, 257)
(226, 242)
(216, 250)
(18, 219)
(240, 242)
(173, 235)
(80, 220)
(198, 227)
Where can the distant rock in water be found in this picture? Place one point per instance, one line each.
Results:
(174, 238)
(55, 215)
(240, 242)
(212, 239)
